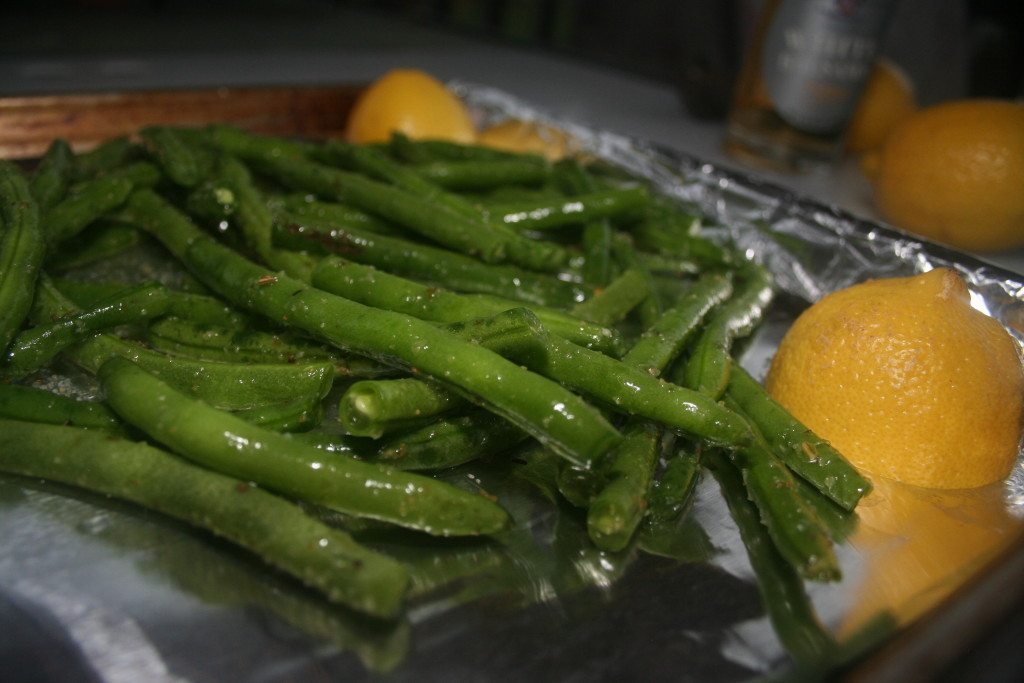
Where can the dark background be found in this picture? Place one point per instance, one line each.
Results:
(950, 48)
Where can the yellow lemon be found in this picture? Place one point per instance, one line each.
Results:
(410, 102)
(955, 173)
(908, 381)
(888, 98)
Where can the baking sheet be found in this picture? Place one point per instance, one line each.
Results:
(143, 598)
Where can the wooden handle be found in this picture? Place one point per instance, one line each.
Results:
(29, 124)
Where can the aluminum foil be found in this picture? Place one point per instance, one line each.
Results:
(115, 593)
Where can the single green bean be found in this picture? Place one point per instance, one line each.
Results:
(710, 362)
(597, 235)
(671, 494)
(104, 157)
(423, 151)
(35, 347)
(450, 441)
(542, 408)
(179, 160)
(808, 455)
(299, 415)
(577, 210)
(22, 247)
(372, 408)
(38, 405)
(84, 204)
(614, 302)
(227, 444)
(274, 529)
(484, 175)
(373, 287)
(330, 214)
(52, 175)
(98, 243)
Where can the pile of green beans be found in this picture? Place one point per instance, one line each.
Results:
(361, 319)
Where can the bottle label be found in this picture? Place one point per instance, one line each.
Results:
(817, 56)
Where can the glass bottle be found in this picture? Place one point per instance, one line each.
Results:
(801, 78)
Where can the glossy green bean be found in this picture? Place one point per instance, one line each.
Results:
(38, 405)
(450, 441)
(426, 263)
(85, 203)
(35, 347)
(373, 408)
(710, 362)
(808, 455)
(539, 406)
(782, 591)
(276, 530)
(477, 175)
(577, 210)
(231, 386)
(373, 287)
(97, 243)
(227, 444)
(181, 162)
(614, 302)
(105, 157)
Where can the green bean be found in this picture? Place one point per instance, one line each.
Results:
(667, 265)
(277, 531)
(227, 444)
(431, 264)
(671, 494)
(577, 210)
(22, 247)
(52, 175)
(378, 165)
(298, 415)
(84, 204)
(537, 405)
(795, 529)
(179, 160)
(38, 405)
(782, 592)
(105, 157)
(423, 151)
(439, 223)
(450, 441)
(839, 523)
(98, 243)
(197, 308)
(616, 509)
(336, 216)
(138, 173)
(35, 347)
(597, 235)
(663, 341)
(231, 386)
(627, 258)
(613, 303)
(372, 408)
(670, 232)
(710, 362)
(617, 505)
(483, 175)
(242, 144)
(214, 342)
(808, 455)
(373, 287)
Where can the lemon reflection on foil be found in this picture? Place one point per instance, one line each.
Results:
(922, 544)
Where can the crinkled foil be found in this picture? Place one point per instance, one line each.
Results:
(811, 248)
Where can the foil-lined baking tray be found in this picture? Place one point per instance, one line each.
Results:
(95, 589)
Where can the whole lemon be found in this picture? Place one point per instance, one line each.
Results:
(908, 381)
(955, 173)
(411, 102)
(887, 100)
